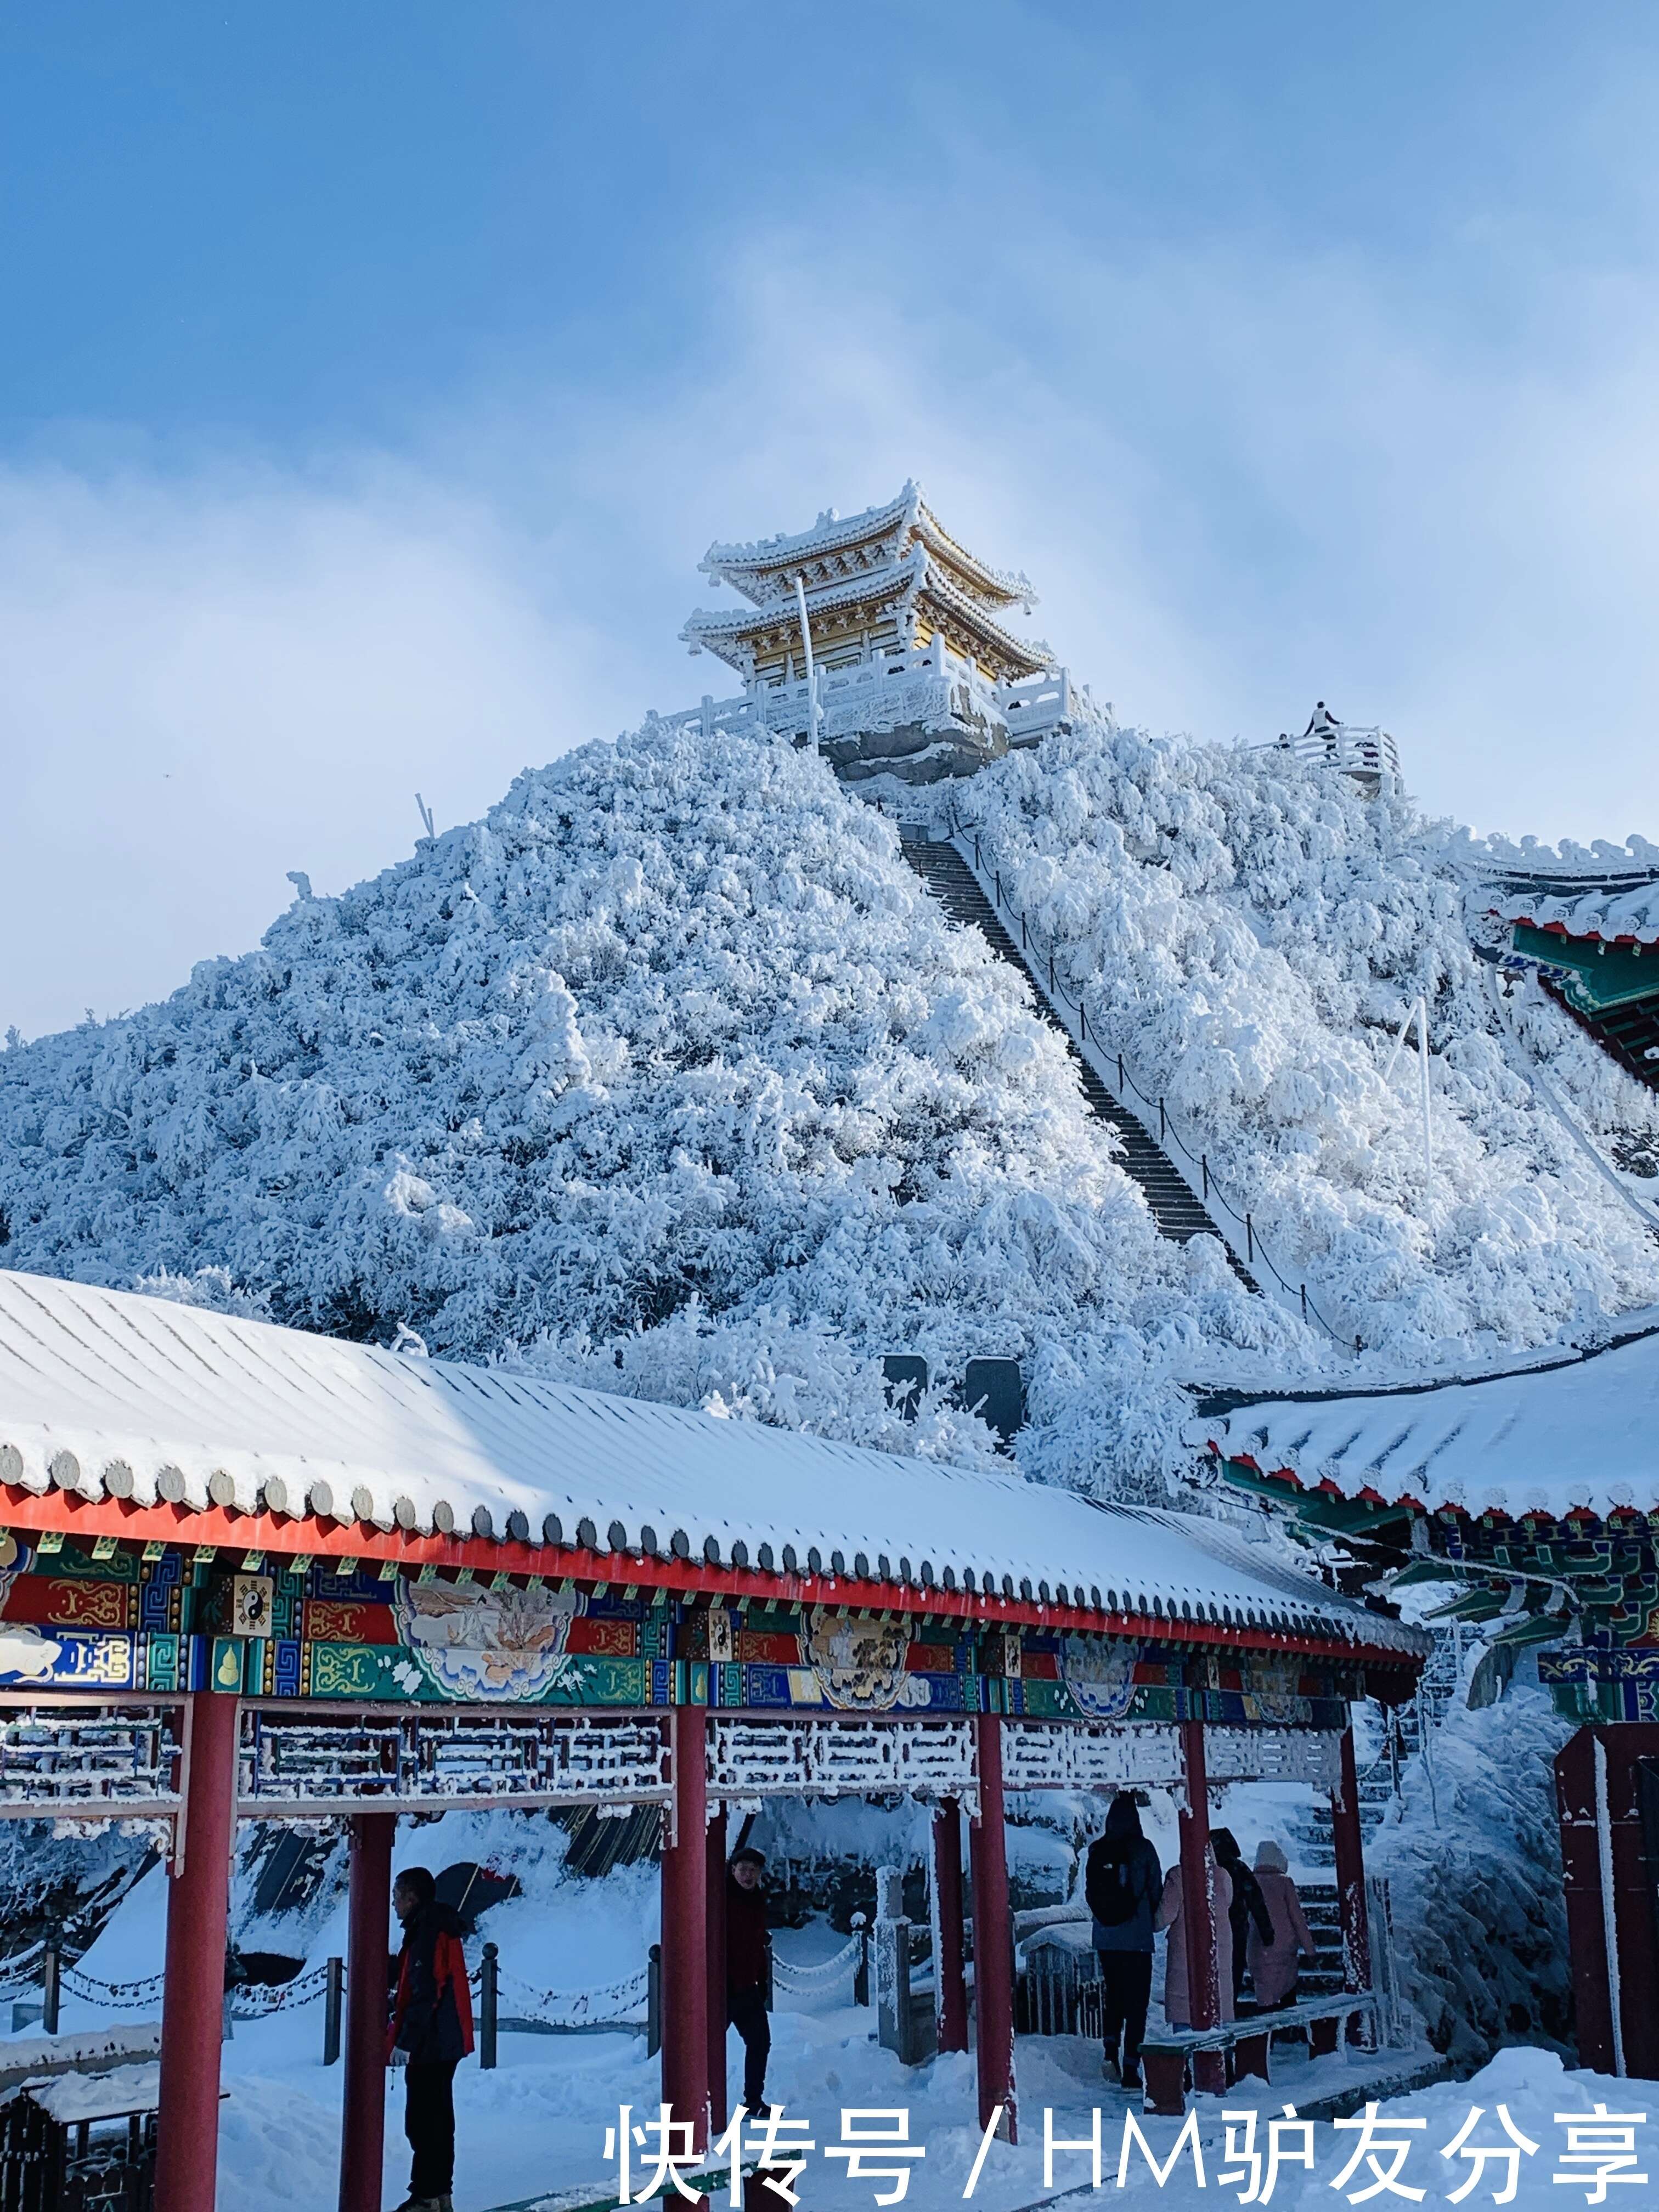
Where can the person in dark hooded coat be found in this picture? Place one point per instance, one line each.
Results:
(432, 2025)
(1248, 1904)
(1121, 1883)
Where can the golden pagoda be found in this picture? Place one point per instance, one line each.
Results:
(878, 636)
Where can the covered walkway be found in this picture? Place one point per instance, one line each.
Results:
(254, 1575)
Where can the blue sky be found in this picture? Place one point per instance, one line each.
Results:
(375, 375)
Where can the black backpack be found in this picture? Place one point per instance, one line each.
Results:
(1111, 1886)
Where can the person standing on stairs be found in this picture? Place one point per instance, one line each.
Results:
(1121, 1883)
(1248, 1905)
(1274, 1962)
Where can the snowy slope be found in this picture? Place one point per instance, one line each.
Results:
(668, 1071)
(1251, 933)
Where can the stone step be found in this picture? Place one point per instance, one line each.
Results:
(1178, 1211)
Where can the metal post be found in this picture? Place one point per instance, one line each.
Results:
(1304, 1301)
(1204, 1162)
(1082, 1022)
(1346, 1835)
(719, 2110)
(949, 1981)
(861, 1972)
(654, 2001)
(1250, 1240)
(192, 2004)
(52, 1968)
(1163, 1126)
(812, 679)
(489, 2006)
(333, 1990)
(686, 1931)
(1198, 1909)
(994, 1956)
(363, 2124)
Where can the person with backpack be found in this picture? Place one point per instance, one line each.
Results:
(1121, 1883)
(1248, 1904)
(432, 2026)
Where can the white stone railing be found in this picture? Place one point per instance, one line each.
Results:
(886, 691)
(1369, 753)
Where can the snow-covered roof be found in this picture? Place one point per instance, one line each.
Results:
(1551, 1440)
(1566, 868)
(761, 568)
(109, 1394)
(1615, 916)
(902, 580)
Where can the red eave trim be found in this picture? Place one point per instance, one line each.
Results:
(222, 1526)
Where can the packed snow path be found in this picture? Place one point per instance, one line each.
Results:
(1179, 1213)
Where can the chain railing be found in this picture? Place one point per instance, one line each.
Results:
(1255, 1252)
(806, 1981)
(140, 1996)
(260, 2000)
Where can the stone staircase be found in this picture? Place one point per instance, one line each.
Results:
(1175, 1208)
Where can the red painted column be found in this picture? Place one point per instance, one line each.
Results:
(685, 1931)
(950, 1982)
(368, 1950)
(719, 2110)
(192, 2004)
(993, 1957)
(1351, 1873)
(1198, 1908)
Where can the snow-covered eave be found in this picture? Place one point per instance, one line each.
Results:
(892, 583)
(901, 584)
(1624, 918)
(138, 1417)
(754, 568)
(1572, 1439)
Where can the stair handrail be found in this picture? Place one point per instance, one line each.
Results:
(1256, 1249)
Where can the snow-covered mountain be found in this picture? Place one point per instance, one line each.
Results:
(669, 1074)
(1252, 933)
(671, 1063)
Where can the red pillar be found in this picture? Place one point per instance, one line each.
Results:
(1198, 1908)
(192, 2004)
(368, 1940)
(1351, 1873)
(993, 1957)
(685, 1931)
(719, 2111)
(950, 1983)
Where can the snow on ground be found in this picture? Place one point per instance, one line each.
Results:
(1251, 934)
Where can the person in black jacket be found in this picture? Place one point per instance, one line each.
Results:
(432, 2025)
(1248, 1904)
(1122, 1882)
(749, 1970)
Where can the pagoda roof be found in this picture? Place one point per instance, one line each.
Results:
(1617, 917)
(112, 1403)
(1580, 1435)
(902, 581)
(764, 569)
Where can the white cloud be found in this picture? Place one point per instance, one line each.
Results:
(1239, 478)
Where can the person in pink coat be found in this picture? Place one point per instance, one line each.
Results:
(1178, 2002)
(1274, 1966)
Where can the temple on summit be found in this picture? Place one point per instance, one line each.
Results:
(881, 635)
